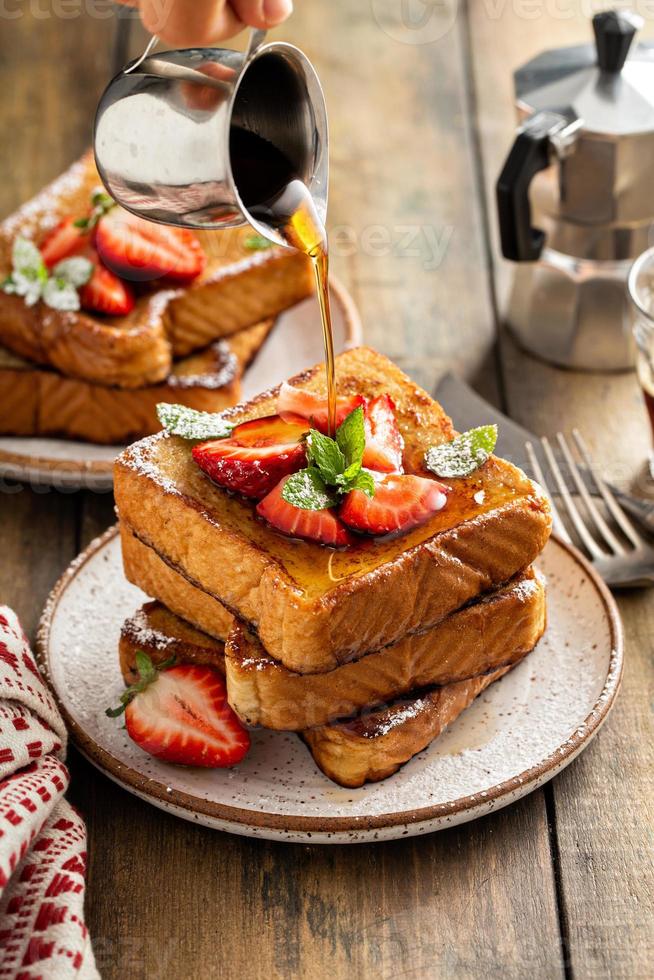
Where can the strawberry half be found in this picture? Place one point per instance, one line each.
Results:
(62, 242)
(183, 717)
(384, 442)
(140, 250)
(105, 293)
(401, 502)
(298, 401)
(322, 526)
(256, 456)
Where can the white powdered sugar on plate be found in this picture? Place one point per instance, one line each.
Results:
(518, 734)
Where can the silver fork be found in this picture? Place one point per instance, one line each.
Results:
(619, 565)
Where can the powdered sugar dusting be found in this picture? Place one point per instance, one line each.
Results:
(42, 211)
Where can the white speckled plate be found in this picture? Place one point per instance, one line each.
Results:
(295, 342)
(522, 731)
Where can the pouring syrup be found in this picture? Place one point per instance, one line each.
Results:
(276, 197)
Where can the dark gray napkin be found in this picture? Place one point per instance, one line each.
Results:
(468, 410)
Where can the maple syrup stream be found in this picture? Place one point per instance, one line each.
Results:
(276, 197)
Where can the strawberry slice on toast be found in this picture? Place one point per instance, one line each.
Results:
(256, 456)
(62, 242)
(140, 250)
(297, 401)
(105, 292)
(384, 442)
(401, 502)
(322, 526)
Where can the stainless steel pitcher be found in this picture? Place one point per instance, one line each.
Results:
(164, 124)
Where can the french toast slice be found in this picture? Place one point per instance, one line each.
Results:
(493, 632)
(315, 608)
(364, 749)
(239, 287)
(37, 401)
(156, 578)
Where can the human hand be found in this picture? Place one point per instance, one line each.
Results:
(196, 23)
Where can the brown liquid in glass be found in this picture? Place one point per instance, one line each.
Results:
(276, 197)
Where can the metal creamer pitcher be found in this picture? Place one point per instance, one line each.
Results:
(169, 127)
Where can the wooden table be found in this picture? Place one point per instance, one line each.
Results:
(559, 884)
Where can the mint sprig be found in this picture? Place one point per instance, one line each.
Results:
(102, 204)
(178, 420)
(334, 467)
(148, 672)
(30, 278)
(462, 455)
(307, 490)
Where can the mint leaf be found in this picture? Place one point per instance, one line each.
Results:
(30, 278)
(351, 437)
(326, 455)
(102, 204)
(77, 270)
(59, 294)
(257, 243)
(188, 423)
(464, 454)
(26, 259)
(365, 481)
(307, 490)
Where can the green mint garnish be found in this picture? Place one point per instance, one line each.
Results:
(464, 454)
(334, 467)
(147, 674)
(102, 203)
(30, 278)
(257, 243)
(178, 420)
(307, 490)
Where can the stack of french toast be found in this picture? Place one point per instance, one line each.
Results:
(363, 610)
(104, 315)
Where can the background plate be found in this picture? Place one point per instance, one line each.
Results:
(515, 737)
(293, 344)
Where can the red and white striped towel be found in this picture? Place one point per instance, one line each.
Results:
(42, 839)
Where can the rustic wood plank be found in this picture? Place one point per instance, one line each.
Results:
(602, 807)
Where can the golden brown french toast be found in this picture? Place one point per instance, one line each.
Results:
(315, 608)
(367, 748)
(37, 401)
(495, 631)
(491, 633)
(158, 579)
(238, 288)
(377, 744)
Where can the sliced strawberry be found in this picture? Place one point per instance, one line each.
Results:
(299, 401)
(62, 242)
(105, 293)
(384, 442)
(322, 526)
(183, 716)
(400, 503)
(140, 250)
(256, 456)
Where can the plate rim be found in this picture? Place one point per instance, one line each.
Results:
(20, 466)
(160, 794)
